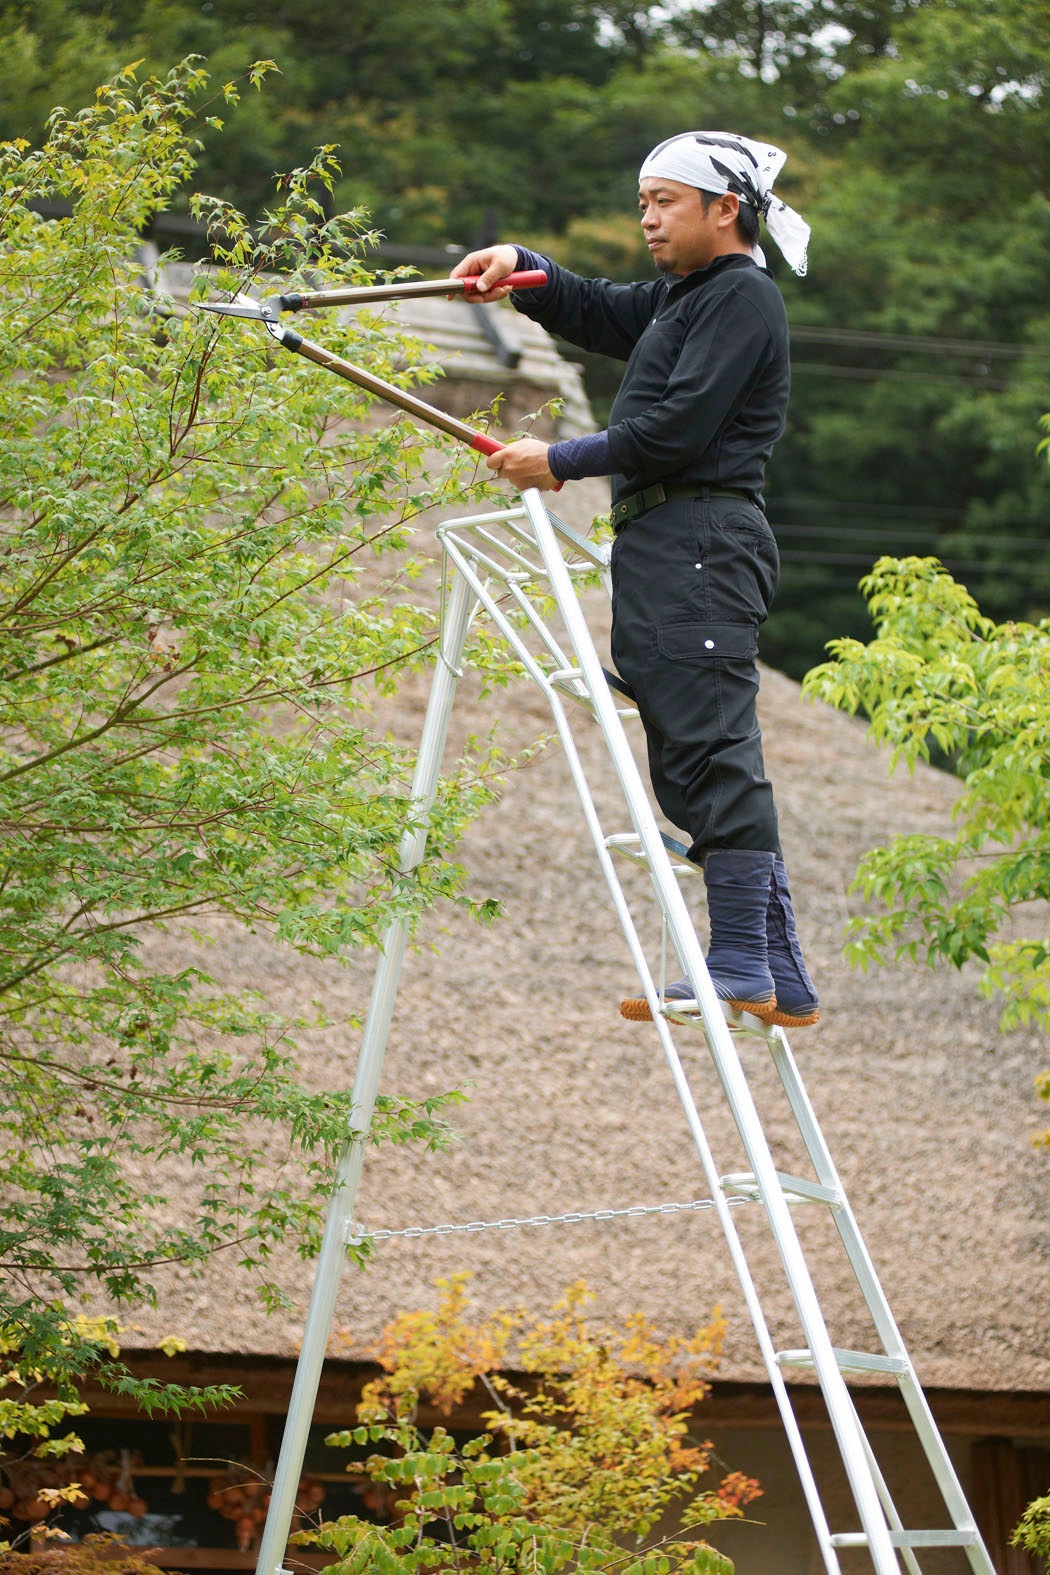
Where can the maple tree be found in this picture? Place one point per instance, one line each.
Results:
(587, 1454)
(940, 674)
(206, 573)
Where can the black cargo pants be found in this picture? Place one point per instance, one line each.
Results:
(692, 581)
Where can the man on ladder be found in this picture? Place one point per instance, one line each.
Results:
(694, 564)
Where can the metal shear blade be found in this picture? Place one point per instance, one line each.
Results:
(243, 306)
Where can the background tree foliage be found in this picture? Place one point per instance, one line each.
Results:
(918, 136)
(205, 569)
(586, 1450)
(921, 352)
(939, 673)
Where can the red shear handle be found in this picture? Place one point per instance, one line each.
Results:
(528, 279)
(490, 445)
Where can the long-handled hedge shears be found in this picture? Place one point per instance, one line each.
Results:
(269, 311)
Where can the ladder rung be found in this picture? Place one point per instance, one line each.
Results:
(848, 1361)
(736, 1022)
(629, 843)
(795, 1189)
(570, 681)
(910, 1539)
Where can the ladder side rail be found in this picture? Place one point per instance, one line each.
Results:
(961, 1514)
(966, 1536)
(727, 1063)
(458, 615)
(875, 1298)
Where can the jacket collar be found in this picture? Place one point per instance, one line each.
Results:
(700, 276)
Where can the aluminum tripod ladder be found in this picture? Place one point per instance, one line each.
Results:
(512, 565)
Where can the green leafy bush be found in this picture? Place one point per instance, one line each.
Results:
(587, 1450)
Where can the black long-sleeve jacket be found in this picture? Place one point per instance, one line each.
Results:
(704, 394)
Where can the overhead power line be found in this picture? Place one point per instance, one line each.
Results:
(847, 568)
(806, 501)
(860, 560)
(881, 374)
(978, 350)
(927, 344)
(853, 533)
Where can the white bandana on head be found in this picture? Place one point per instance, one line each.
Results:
(720, 161)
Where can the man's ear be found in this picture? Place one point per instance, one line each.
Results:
(730, 207)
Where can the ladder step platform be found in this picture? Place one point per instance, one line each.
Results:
(629, 845)
(910, 1539)
(742, 1184)
(848, 1361)
(736, 1021)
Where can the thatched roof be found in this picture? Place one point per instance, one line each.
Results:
(928, 1109)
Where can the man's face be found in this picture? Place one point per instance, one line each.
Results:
(679, 234)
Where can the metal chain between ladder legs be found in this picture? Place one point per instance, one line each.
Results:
(356, 1233)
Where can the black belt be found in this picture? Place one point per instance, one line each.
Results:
(629, 508)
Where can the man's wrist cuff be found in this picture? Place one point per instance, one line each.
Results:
(574, 458)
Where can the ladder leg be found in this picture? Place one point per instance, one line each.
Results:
(455, 625)
(914, 1399)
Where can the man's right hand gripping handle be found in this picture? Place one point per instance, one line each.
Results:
(491, 264)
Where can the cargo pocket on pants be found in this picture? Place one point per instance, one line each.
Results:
(699, 642)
